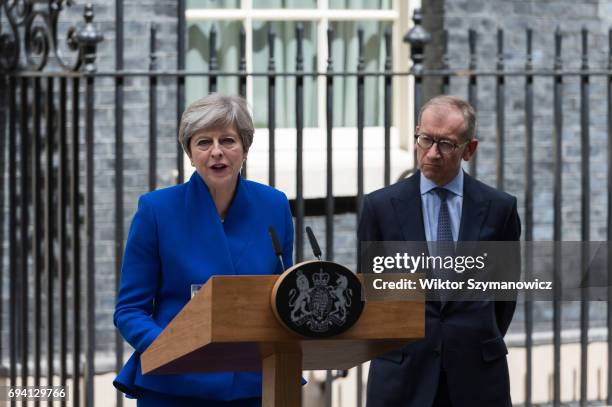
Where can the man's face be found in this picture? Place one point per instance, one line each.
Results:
(443, 123)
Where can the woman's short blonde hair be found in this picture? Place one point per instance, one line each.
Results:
(216, 111)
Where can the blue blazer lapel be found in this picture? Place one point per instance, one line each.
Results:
(240, 226)
(473, 212)
(207, 238)
(409, 211)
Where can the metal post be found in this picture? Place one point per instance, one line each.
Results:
(90, 292)
(62, 238)
(242, 90)
(388, 106)
(152, 109)
(585, 215)
(88, 38)
(500, 107)
(213, 66)
(329, 121)
(271, 109)
(119, 214)
(242, 80)
(3, 143)
(558, 216)
(417, 38)
(360, 118)
(445, 87)
(360, 125)
(180, 84)
(50, 266)
(299, 127)
(37, 234)
(528, 216)
(609, 216)
(23, 229)
(12, 231)
(76, 247)
(473, 89)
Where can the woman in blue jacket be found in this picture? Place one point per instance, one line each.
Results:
(216, 223)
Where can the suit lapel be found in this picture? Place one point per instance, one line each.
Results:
(473, 212)
(240, 225)
(409, 211)
(208, 242)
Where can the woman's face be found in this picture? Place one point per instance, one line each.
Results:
(217, 155)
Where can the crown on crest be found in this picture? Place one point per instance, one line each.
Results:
(320, 278)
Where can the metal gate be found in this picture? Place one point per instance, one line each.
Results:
(48, 86)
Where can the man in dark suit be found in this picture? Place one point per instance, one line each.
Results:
(462, 360)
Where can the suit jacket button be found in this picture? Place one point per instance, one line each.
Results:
(436, 352)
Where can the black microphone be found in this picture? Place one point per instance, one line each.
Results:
(278, 250)
(316, 250)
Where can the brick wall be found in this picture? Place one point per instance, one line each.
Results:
(486, 16)
(138, 17)
(456, 16)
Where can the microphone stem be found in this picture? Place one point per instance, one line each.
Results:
(282, 263)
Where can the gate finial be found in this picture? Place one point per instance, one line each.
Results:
(88, 38)
(417, 38)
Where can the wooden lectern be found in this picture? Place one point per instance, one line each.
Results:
(230, 326)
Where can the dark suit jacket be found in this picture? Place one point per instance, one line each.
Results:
(465, 338)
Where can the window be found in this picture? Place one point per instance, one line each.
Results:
(281, 16)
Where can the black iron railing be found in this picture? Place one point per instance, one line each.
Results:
(51, 197)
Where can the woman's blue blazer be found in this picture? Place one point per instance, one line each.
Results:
(177, 239)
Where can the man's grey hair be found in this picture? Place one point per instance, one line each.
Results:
(454, 102)
(216, 111)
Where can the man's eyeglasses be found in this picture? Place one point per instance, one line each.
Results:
(444, 146)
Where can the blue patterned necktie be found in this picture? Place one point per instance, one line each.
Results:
(445, 236)
(445, 233)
